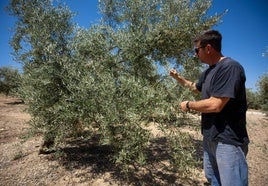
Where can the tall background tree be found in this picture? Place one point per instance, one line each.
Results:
(109, 78)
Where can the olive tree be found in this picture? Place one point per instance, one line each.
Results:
(253, 99)
(9, 80)
(263, 91)
(109, 79)
(41, 44)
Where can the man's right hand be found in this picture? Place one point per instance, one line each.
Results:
(173, 73)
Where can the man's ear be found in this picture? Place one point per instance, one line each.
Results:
(209, 48)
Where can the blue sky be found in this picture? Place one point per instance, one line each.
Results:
(244, 29)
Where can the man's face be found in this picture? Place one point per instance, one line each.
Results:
(200, 51)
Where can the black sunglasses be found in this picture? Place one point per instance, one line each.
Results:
(197, 49)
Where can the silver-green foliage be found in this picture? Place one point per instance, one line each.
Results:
(41, 44)
(106, 79)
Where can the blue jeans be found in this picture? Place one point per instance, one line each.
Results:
(224, 164)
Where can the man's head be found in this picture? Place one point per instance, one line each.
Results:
(208, 47)
(211, 37)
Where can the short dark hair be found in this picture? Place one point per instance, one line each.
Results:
(212, 37)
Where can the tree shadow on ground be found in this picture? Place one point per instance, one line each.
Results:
(96, 160)
(15, 102)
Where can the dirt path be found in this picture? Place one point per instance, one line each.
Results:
(20, 163)
(258, 148)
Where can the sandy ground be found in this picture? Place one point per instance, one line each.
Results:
(87, 164)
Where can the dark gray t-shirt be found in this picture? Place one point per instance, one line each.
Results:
(225, 79)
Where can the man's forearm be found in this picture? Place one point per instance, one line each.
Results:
(210, 105)
(186, 83)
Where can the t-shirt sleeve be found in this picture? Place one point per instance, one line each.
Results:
(227, 81)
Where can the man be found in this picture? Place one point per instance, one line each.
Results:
(223, 107)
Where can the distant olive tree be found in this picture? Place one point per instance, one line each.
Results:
(10, 80)
(263, 91)
(109, 79)
(253, 99)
